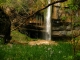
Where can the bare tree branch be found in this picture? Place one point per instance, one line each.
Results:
(44, 8)
(40, 10)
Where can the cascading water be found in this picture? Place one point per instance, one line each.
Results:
(48, 22)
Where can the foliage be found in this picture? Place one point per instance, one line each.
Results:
(73, 8)
(1, 40)
(76, 24)
(19, 5)
(16, 35)
(2, 1)
(63, 18)
(76, 2)
(27, 6)
(78, 55)
(41, 52)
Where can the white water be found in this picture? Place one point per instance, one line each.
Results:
(48, 22)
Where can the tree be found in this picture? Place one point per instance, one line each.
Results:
(73, 8)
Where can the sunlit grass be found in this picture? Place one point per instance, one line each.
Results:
(41, 52)
(16, 35)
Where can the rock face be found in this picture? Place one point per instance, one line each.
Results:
(5, 26)
(64, 29)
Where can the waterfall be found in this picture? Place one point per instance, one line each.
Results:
(48, 22)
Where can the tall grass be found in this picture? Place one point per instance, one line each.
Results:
(42, 52)
(1, 40)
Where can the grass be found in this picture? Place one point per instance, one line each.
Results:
(42, 52)
(1, 40)
(16, 35)
(63, 51)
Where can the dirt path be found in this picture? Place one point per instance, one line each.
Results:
(38, 42)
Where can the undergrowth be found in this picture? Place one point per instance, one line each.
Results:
(41, 52)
